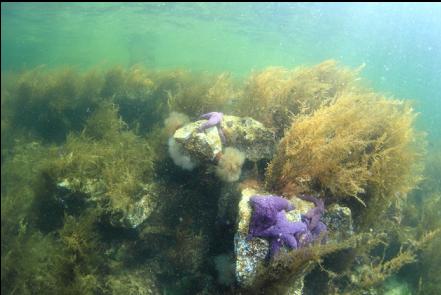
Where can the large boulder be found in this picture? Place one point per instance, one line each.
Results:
(93, 191)
(245, 134)
(251, 253)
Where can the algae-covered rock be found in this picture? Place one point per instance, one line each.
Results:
(130, 216)
(227, 204)
(137, 282)
(339, 221)
(109, 166)
(138, 211)
(245, 134)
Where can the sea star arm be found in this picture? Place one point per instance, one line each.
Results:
(315, 213)
(208, 115)
(289, 240)
(270, 202)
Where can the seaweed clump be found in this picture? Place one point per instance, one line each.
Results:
(107, 162)
(360, 149)
(275, 96)
(422, 224)
(196, 94)
(285, 273)
(50, 103)
(362, 146)
(44, 250)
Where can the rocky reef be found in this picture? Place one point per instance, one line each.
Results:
(92, 202)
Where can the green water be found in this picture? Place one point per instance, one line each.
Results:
(399, 43)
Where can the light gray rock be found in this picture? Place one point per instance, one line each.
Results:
(200, 146)
(245, 134)
(249, 136)
(93, 191)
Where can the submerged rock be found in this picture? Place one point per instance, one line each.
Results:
(130, 216)
(339, 221)
(199, 146)
(138, 211)
(139, 282)
(249, 136)
(252, 252)
(245, 134)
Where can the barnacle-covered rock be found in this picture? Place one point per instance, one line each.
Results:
(249, 255)
(339, 221)
(130, 216)
(251, 252)
(245, 134)
(249, 136)
(199, 146)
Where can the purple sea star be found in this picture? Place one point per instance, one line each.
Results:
(282, 233)
(316, 228)
(269, 221)
(314, 214)
(214, 119)
(265, 209)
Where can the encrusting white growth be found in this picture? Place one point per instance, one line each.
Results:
(230, 165)
(178, 157)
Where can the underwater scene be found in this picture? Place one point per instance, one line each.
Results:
(221, 148)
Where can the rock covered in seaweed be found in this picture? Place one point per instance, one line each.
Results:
(130, 216)
(140, 282)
